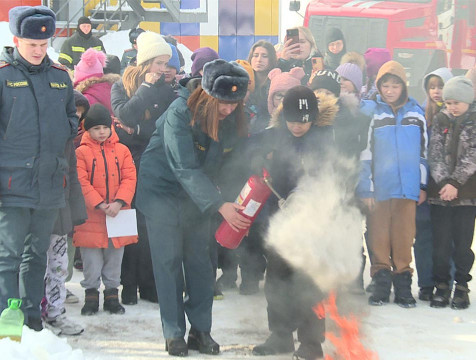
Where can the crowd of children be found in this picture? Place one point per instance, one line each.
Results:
(165, 143)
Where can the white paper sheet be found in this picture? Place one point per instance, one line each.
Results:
(124, 224)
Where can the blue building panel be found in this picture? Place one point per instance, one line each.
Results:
(189, 29)
(243, 46)
(272, 39)
(227, 47)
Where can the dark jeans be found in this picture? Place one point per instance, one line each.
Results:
(423, 246)
(24, 241)
(453, 228)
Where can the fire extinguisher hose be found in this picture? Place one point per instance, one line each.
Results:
(281, 200)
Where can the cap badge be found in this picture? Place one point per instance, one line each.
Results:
(43, 28)
(234, 88)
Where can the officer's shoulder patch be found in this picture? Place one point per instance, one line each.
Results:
(3, 64)
(59, 67)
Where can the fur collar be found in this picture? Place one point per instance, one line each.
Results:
(328, 109)
(86, 84)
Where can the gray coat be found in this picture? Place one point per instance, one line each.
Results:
(37, 117)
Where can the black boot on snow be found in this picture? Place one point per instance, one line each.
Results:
(91, 302)
(203, 342)
(441, 297)
(402, 286)
(426, 293)
(381, 291)
(309, 352)
(275, 344)
(111, 302)
(460, 297)
(176, 347)
(129, 295)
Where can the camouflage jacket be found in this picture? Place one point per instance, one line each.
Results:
(452, 156)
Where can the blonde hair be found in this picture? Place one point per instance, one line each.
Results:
(309, 37)
(204, 109)
(134, 76)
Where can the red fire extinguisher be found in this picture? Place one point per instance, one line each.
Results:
(253, 197)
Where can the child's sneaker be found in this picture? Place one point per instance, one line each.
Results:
(71, 298)
(61, 325)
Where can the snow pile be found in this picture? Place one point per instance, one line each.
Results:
(318, 231)
(43, 345)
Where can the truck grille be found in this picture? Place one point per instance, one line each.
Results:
(359, 33)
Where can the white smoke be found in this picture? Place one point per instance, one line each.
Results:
(319, 231)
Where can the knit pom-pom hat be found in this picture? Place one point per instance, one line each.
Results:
(91, 64)
(283, 81)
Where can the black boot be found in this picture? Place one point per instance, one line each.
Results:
(149, 294)
(460, 297)
(381, 291)
(91, 302)
(111, 302)
(426, 293)
(441, 298)
(275, 344)
(176, 347)
(203, 342)
(129, 295)
(226, 282)
(308, 352)
(402, 286)
(34, 323)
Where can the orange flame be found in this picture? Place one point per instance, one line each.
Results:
(348, 346)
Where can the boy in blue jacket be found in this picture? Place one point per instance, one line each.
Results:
(392, 181)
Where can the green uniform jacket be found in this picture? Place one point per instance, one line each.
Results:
(73, 48)
(37, 117)
(180, 165)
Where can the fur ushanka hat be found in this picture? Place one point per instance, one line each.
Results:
(226, 81)
(32, 22)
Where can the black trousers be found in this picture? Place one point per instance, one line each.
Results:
(453, 228)
(291, 295)
(136, 268)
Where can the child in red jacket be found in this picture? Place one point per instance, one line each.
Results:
(107, 175)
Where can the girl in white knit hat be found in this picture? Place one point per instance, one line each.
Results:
(138, 100)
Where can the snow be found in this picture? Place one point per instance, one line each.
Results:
(240, 322)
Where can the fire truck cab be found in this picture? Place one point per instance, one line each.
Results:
(421, 34)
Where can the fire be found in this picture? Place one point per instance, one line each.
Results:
(348, 346)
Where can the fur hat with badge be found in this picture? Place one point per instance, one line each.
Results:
(226, 81)
(150, 45)
(300, 105)
(97, 115)
(32, 22)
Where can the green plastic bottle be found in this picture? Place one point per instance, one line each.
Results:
(11, 320)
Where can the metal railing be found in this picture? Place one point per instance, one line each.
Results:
(108, 19)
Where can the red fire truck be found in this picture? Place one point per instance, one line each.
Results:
(421, 34)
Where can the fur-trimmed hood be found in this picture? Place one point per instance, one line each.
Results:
(86, 84)
(328, 109)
